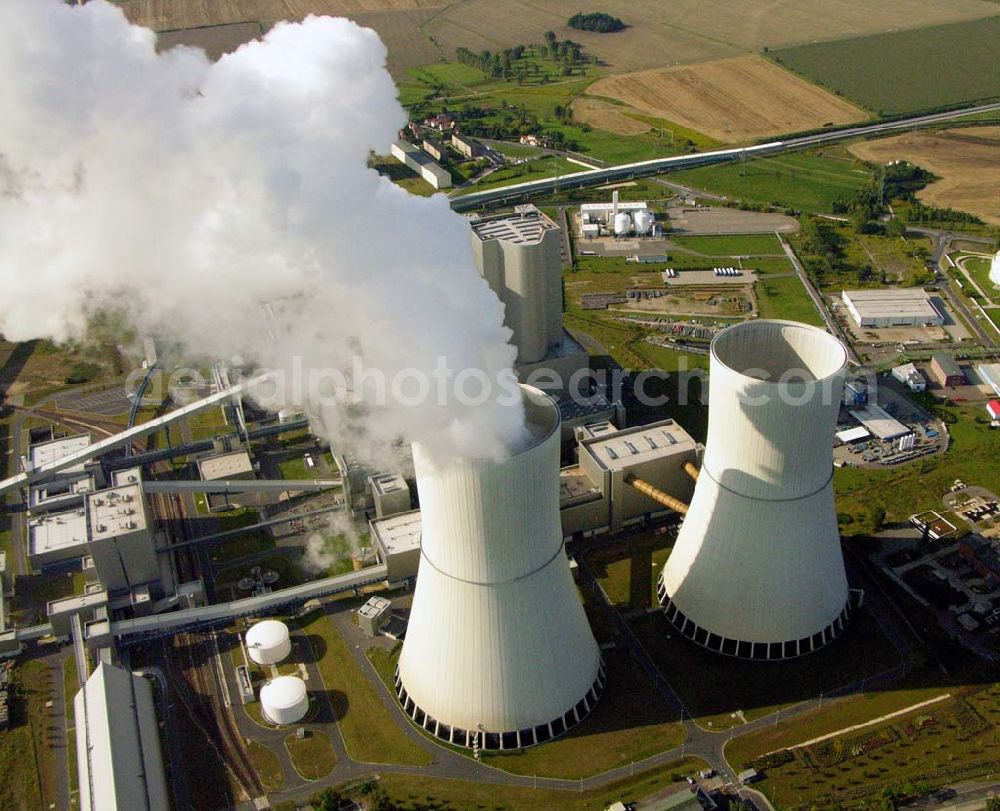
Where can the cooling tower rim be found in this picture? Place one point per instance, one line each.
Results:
(544, 406)
(832, 341)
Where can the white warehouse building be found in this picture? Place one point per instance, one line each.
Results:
(892, 308)
(498, 652)
(757, 570)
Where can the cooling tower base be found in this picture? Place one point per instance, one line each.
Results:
(756, 651)
(493, 741)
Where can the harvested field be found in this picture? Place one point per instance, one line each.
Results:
(605, 116)
(685, 31)
(214, 40)
(967, 160)
(730, 99)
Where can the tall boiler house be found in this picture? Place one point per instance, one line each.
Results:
(498, 653)
(757, 569)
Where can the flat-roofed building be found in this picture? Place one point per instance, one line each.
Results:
(469, 147)
(391, 494)
(882, 424)
(397, 540)
(57, 537)
(583, 509)
(119, 760)
(43, 453)
(130, 475)
(421, 163)
(654, 453)
(233, 465)
(120, 539)
(65, 491)
(989, 373)
(946, 371)
(433, 148)
(892, 308)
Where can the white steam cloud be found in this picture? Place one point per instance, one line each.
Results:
(189, 192)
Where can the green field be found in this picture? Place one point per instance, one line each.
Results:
(903, 71)
(25, 746)
(806, 182)
(979, 268)
(536, 169)
(731, 245)
(267, 765)
(313, 755)
(785, 297)
(994, 315)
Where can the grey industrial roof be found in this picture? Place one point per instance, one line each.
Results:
(527, 225)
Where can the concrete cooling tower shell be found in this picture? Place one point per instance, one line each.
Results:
(284, 700)
(757, 570)
(497, 641)
(268, 642)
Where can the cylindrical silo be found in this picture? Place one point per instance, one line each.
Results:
(268, 642)
(623, 224)
(757, 570)
(643, 222)
(284, 700)
(497, 641)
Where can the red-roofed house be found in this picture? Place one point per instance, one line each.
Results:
(993, 408)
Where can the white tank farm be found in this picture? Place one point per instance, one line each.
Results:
(643, 222)
(268, 642)
(623, 224)
(284, 700)
(498, 652)
(757, 570)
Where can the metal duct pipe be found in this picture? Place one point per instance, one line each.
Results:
(657, 494)
(691, 470)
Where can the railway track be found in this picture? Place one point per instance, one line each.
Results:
(191, 658)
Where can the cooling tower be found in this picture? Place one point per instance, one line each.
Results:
(757, 570)
(497, 641)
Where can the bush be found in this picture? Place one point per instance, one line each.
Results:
(82, 373)
(598, 21)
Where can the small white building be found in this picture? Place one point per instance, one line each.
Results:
(909, 374)
(989, 373)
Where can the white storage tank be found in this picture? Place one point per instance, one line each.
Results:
(623, 224)
(284, 700)
(643, 222)
(268, 642)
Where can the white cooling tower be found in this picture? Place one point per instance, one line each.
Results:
(284, 700)
(995, 269)
(757, 570)
(623, 224)
(268, 642)
(497, 640)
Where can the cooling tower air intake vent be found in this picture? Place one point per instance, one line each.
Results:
(757, 570)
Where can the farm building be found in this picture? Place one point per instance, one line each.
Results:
(910, 375)
(411, 157)
(891, 308)
(989, 373)
(946, 371)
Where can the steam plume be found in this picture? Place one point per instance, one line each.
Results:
(189, 192)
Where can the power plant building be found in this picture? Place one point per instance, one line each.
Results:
(397, 542)
(520, 256)
(498, 652)
(391, 494)
(757, 570)
(892, 308)
(117, 743)
(120, 538)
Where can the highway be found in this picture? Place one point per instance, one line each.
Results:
(628, 171)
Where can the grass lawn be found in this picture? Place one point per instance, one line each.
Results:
(731, 245)
(785, 297)
(979, 268)
(631, 722)
(536, 169)
(267, 765)
(71, 686)
(295, 467)
(803, 181)
(370, 732)
(714, 687)
(27, 770)
(994, 315)
(410, 792)
(246, 543)
(940, 744)
(312, 755)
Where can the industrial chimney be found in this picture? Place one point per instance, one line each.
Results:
(498, 653)
(757, 570)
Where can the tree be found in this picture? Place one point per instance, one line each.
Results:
(330, 800)
(993, 804)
